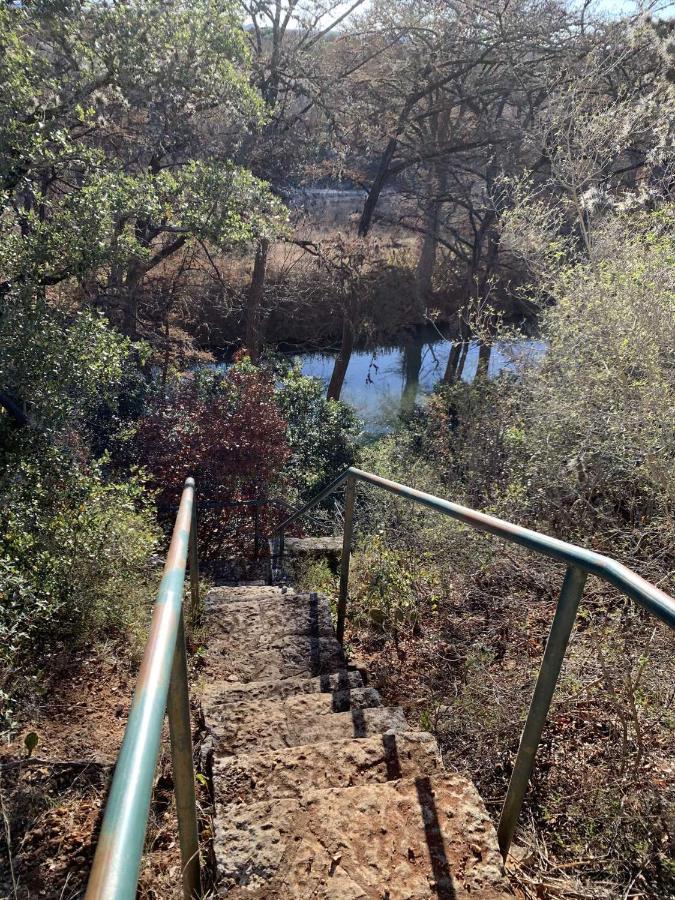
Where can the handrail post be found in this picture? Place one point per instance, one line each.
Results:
(556, 645)
(194, 564)
(256, 531)
(178, 708)
(350, 496)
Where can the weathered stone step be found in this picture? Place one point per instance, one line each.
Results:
(218, 697)
(242, 592)
(283, 656)
(291, 772)
(297, 551)
(229, 692)
(302, 719)
(415, 838)
(313, 546)
(252, 623)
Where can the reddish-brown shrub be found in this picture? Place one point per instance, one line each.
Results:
(226, 431)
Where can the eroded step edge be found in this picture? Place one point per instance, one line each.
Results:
(229, 692)
(291, 772)
(304, 719)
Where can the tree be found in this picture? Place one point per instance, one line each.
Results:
(118, 132)
(298, 57)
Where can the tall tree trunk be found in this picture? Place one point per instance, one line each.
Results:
(462, 359)
(457, 357)
(337, 379)
(412, 363)
(438, 189)
(254, 298)
(427, 258)
(453, 360)
(484, 354)
(167, 352)
(376, 187)
(132, 284)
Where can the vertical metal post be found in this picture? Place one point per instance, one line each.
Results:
(178, 708)
(256, 528)
(350, 495)
(558, 638)
(194, 564)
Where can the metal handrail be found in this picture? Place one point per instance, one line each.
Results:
(162, 686)
(580, 563)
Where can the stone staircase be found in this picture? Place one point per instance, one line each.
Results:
(320, 791)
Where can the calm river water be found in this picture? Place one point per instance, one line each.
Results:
(380, 383)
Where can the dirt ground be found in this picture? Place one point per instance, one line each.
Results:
(53, 801)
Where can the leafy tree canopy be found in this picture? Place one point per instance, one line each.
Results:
(119, 128)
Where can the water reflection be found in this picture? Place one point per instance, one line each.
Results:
(381, 384)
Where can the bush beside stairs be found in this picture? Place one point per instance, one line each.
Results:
(320, 791)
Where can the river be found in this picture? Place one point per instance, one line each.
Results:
(380, 384)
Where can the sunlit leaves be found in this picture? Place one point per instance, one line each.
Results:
(118, 126)
(60, 367)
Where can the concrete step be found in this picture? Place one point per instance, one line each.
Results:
(231, 692)
(299, 551)
(291, 772)
(415, 838)
(313, 546)
(241, 592)
(301, 719)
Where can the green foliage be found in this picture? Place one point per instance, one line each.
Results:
(73, 556)
(74, 543)
(317, 575)
(389, 586)
(80, 202)
(322, 433)
(598, 447)
(62, 367)
(468, 442)
(579, 444)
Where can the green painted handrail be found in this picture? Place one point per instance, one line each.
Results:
(580, 563)
(162, 686)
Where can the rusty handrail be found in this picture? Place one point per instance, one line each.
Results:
(580, 563)
(162, 686)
